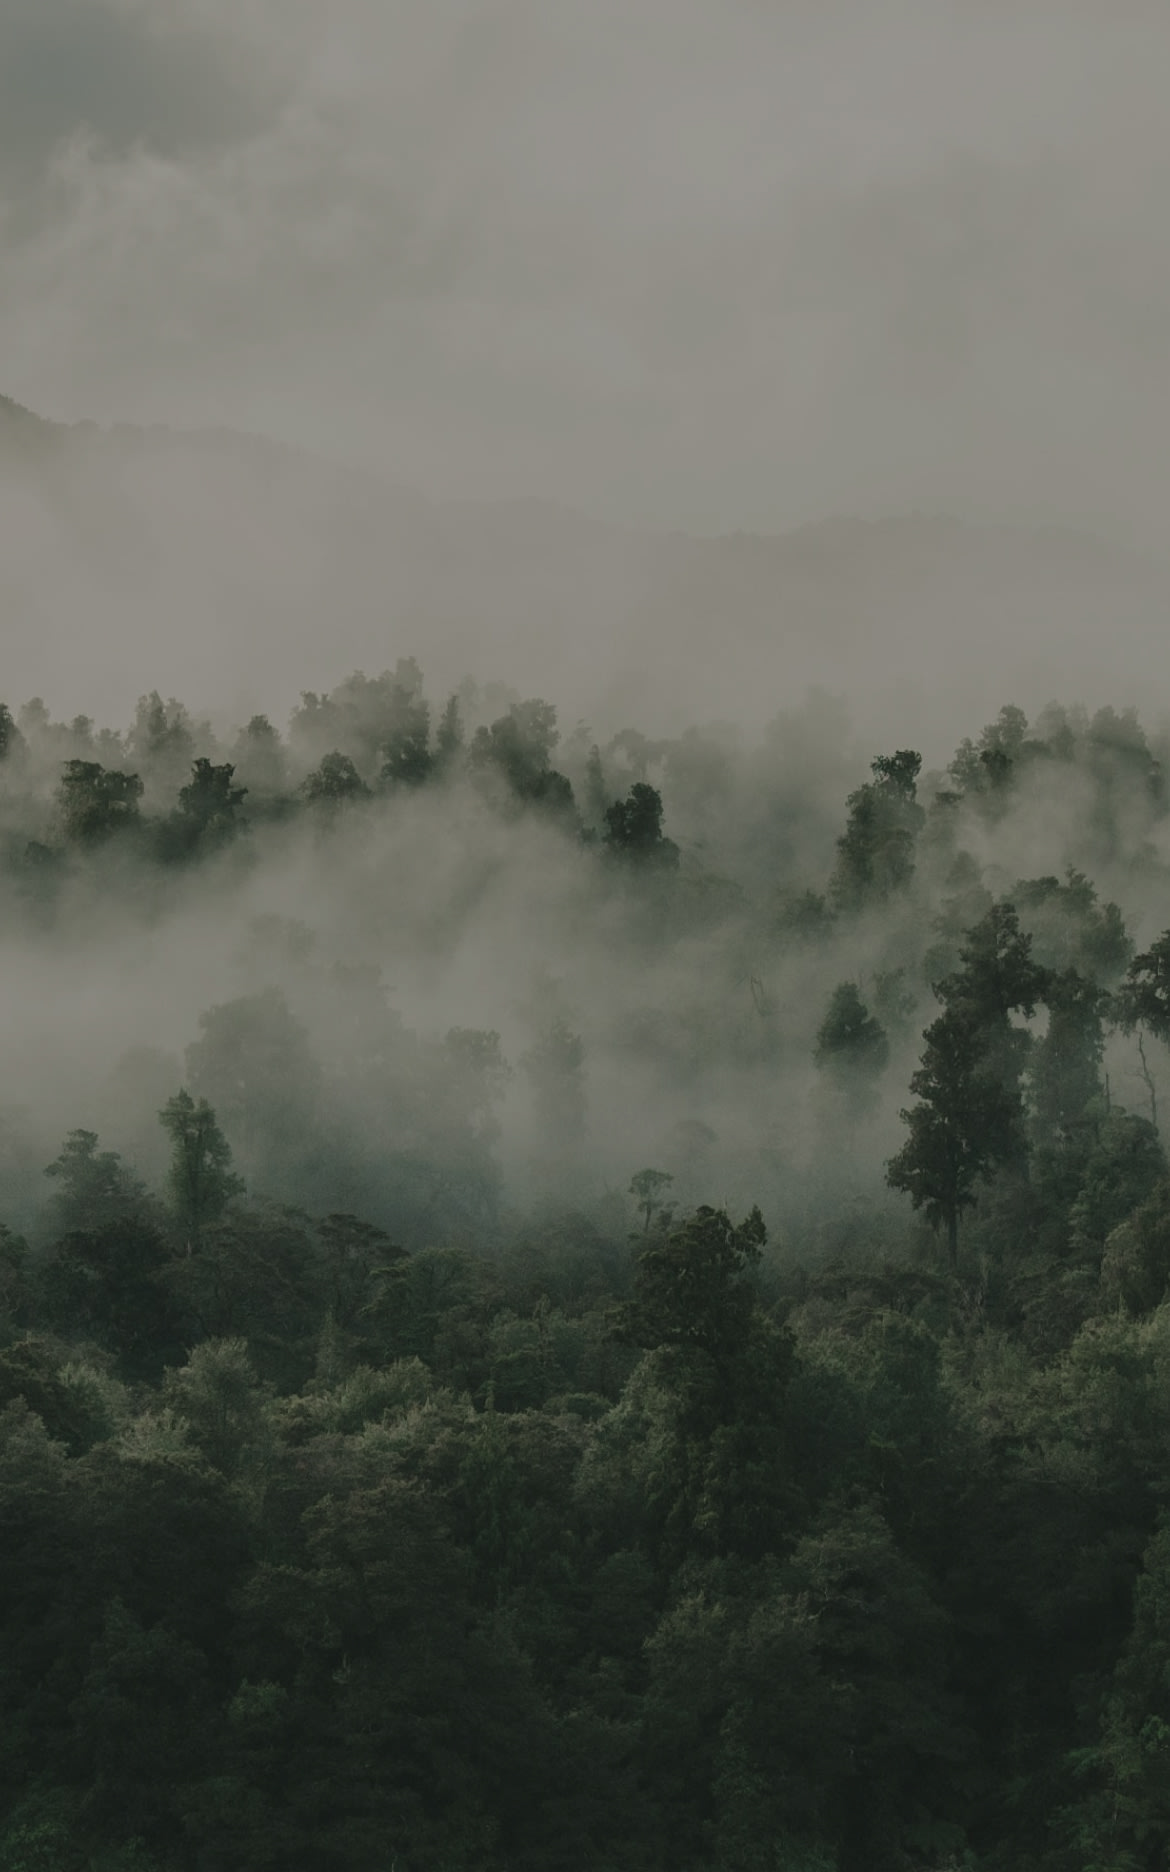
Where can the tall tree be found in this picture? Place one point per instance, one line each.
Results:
(209, 808)
(95, 802)
(1143, 1000)
(875, 853)
(449, 738)
(11, 739)
(407, 758)
(692, 1287)
(518, 747)
(200, 1181)
(648, 1188)
(335, 782)
(966, 1123)
(1064, 1073)
(969, 1121)
(852, 1048)
(93, 1186)
(634, 829)
(996, 978)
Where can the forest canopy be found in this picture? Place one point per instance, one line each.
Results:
(582, 1301)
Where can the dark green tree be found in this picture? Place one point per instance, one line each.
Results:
(94, 1187)
(1122, 1169)
(407, 758)
(986, 770)
(1143, 1000)
(11, 739)
(1064, 1072)
(966, 1124)
(200, 1181)
(648, 1188)
(449, 739)
(518, 747)
(596, 796)
(208, 813)
(693, 1288)
(1070, 928)
(355, 1251)
(875, 853)
(970, 1119)
(998, 975)
(851, 1046)
(970, 1114)
(105, 1283)
(336, 782)
(1121, 1815)
(95, 802)
(1135, 1267)
(634, 829)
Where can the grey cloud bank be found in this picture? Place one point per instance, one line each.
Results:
(703, 266)
(235, 573)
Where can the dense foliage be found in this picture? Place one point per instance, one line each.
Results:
(380, 1487)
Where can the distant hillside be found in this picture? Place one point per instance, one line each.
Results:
(224, 566)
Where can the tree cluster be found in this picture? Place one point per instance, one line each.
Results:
(362, 1507)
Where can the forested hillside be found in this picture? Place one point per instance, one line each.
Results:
(573, 1303)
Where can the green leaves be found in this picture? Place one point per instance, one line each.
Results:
(875, 853)
(95, 802)
(200, 1181)
(969, 1121)
(691, 1288)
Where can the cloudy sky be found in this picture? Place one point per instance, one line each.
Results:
(708, 263)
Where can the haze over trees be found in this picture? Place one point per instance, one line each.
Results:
(571, 1301)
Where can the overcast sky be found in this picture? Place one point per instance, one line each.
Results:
(711, 263)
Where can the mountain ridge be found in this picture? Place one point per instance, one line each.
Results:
(197, 559)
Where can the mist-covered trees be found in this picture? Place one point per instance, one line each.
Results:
(852, 1047)
(875, 853)
(201, 1181)
(633, 829)
(253, 1065)
(389, 1465)
(92, 1186)
(553, 1066)
(406, 753)
(96, 802)
(258, 756)
(517, 748)
(11, 739)
(209, 804)
(1144, 998)
(969, 1120)
(334, 782)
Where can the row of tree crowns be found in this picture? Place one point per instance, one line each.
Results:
(385, 747)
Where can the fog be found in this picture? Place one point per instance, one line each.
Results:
(706, 266)
(236, 573)
(439, 1001)
(783, 383)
